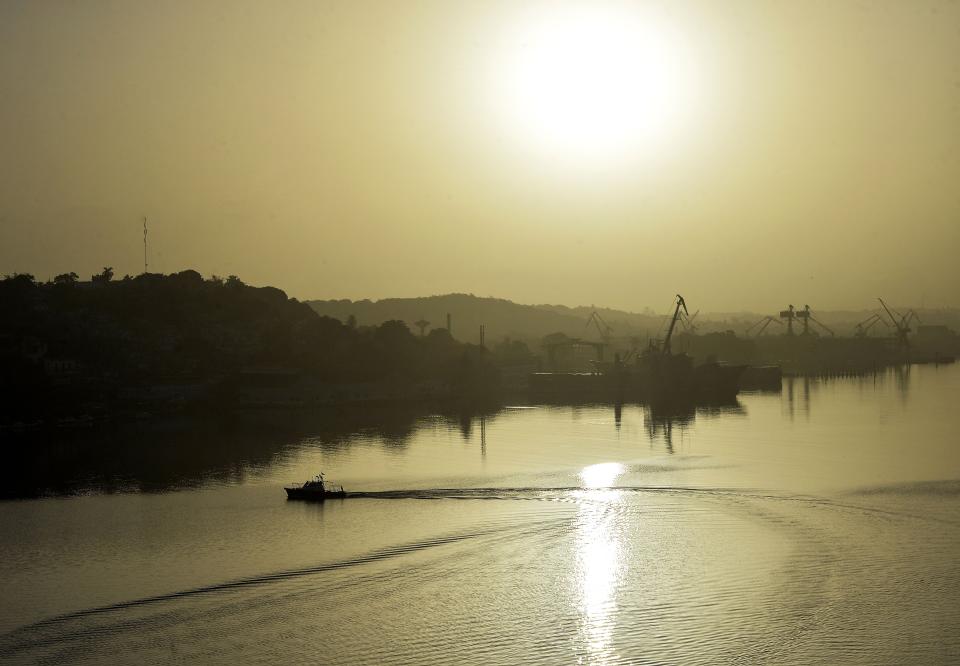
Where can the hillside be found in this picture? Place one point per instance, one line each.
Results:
(68, 345)
(504, 318)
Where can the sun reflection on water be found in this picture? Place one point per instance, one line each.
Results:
(599, 561)
(601, 475)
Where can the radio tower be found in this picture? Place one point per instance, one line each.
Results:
(144, 245)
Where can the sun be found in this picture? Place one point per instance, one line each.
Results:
(593, 84)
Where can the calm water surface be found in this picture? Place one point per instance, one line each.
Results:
(817, 525)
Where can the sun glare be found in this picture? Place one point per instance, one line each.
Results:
(594, 83)
(601, 475)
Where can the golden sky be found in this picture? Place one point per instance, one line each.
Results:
(747, 154)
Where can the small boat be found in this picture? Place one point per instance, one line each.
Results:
(314, 490)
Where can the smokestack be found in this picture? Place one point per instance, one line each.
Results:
(449, 327)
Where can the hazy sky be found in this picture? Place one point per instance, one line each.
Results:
(747, 154)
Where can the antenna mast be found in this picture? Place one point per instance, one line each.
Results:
(144, 245)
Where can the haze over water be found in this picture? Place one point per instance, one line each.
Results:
(817, 525)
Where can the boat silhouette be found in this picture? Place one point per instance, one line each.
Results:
(314, 490)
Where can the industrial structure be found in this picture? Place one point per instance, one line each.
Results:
(763, 323)
(603, 328)
(862, 329)
(901, 324)
(806, 316)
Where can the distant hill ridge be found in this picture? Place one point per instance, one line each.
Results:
(505, 318)
(502, 318)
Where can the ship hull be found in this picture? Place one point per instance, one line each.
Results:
(670, 380)
(309, 495)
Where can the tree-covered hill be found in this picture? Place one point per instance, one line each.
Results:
(96, 338)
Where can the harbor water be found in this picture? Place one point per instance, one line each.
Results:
(817, 524)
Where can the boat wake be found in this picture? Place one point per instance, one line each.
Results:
(55, 630)
(533, 493)
(627, 559)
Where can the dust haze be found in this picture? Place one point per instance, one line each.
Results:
(352, 150)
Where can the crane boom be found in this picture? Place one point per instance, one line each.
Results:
(889, 313)
(763, 324)
(902, 326)
(673, 322)
(688, 324)
(821, 325)
(863, 327)
(878, 320)
(603, 328)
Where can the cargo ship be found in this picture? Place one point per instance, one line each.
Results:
(655, 374)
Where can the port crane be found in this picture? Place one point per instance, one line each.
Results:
(806, 316)
(631, 354)
(901, 323)
(688, 324)
(763, 323)
(673, 322)
(603, 328)
(863, 328)
(789, 314)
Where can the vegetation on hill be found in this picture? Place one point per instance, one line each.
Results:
(501, 318)
(66, 341)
